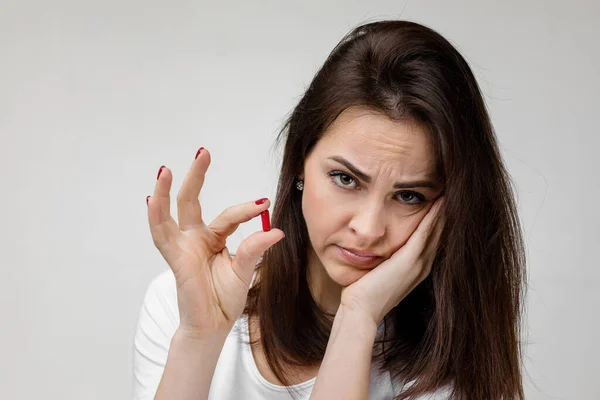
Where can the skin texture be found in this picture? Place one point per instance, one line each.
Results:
(346, 211)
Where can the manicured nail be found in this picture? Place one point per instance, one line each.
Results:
(266, 222)
(198, 152)
(159, 172)
(147, 198)
(261, 201)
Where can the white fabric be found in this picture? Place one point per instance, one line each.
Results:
(236, 375)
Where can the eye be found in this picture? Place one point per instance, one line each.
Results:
(341, 179)
(411, 198)
(344, 180)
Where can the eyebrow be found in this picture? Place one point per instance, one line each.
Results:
(366, 178)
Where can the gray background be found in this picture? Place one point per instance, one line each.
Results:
(96, 95)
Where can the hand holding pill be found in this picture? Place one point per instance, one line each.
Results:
(211, 285)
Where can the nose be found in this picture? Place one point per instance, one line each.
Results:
(368, 223)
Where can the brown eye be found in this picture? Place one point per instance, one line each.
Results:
(341, 179)
(407, 196)
(411, 198)
(345, 179)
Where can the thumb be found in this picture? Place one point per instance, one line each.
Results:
(251, 249)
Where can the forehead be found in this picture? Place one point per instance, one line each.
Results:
(375, 139)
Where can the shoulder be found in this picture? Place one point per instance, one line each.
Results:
(162, 293)
(157, 322)
(159, 313)
(163, 282)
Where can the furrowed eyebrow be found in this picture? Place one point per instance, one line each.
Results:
(366, 178)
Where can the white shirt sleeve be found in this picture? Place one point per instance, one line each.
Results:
(157, 322)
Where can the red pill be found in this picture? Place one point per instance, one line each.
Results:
(266, 221)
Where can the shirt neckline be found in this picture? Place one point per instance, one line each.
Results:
(249, 357)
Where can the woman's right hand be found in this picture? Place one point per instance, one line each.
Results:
(212, 287)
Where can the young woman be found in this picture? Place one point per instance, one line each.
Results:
(395, 267)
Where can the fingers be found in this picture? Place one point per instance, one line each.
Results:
(189, 211)
(229, 220)
(163, 227)
(438, 226)
(426, 236)
(250, 250)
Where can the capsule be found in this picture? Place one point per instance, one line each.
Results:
(266, 220)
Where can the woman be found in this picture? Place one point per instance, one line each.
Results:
(395, 268)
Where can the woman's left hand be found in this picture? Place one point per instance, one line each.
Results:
(384, 287)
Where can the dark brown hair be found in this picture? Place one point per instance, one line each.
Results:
(461, 326)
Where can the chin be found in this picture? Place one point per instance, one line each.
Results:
(344, 275)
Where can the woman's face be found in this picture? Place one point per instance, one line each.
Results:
(344, 209)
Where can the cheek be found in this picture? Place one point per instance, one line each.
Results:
(323, 212)
(315, 207)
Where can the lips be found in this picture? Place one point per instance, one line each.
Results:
(357, 259)
(362, 253)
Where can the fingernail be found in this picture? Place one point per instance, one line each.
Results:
(266, 223)
(159, 172)
(147, 198)
(260, 201)
(198, 152)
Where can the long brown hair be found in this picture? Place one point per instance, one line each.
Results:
(461, 327)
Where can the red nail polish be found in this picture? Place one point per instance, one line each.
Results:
(198, 152)
(159, 172)
(260, 201)
(147, 198)
(266, 222)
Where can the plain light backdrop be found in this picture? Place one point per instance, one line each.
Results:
(96, 95)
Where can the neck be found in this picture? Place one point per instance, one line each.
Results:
(326, 292)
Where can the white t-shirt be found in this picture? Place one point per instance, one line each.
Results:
(236, 374)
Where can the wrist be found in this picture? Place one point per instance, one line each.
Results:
(208, 345)
(357, 311)
(357, 320)
(183, 334)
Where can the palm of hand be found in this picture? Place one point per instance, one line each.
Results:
(211, 286)
(384, 287)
